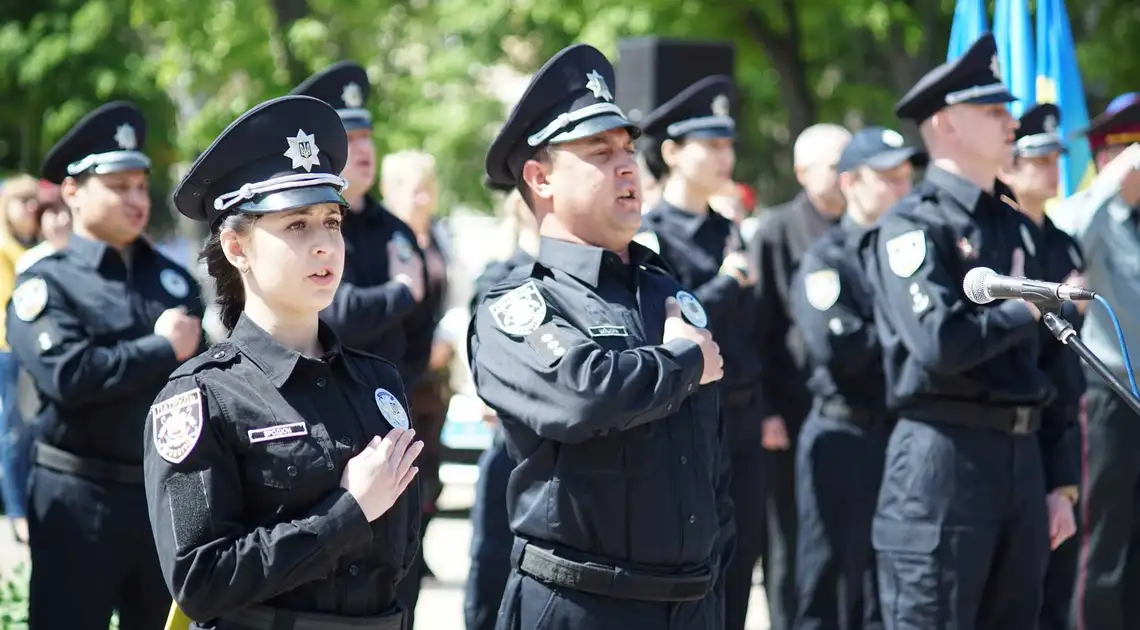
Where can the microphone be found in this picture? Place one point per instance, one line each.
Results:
(983, 285)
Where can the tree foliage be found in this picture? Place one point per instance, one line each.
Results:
(443, 71)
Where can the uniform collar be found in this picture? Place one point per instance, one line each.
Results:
(962, 190)
(93, 253)
(586, 262)
(690, 222)
(279, 362)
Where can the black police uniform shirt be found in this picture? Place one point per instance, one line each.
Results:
(245, 448)
(939, 348)
(620, 451)
(81, 322)
(833, 307)
(369, 311)
(694, 245)
(783, 235)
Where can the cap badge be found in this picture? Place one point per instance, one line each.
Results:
(720, 105)
(352, 96)
(596, 83)
(892, 138)
(125, 137)
(995, 67)
(303, 150)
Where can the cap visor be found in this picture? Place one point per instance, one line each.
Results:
(594, 126)
(890, 159)
(354, 123)
(137, 162)
(991, 99)
(285, 200)
(1042, 151)
(712, 133)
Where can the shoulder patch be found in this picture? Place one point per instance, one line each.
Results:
(30, 298)
(692, 310)
(648, 240)
(822, 288)
(392, 409)
(177, 424)
(1027, 239)
(549, 341)
(906, 252)
(521, 311)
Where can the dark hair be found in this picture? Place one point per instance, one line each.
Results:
(654, 160)
(544, 156)
(228, 288)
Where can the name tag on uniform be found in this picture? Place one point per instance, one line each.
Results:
(608, 331)
(278, 432)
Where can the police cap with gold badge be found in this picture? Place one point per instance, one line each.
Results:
(107, 140)
(974, 78)
(281, 155)
(569, 98)
(1037, 132)
(702, 110)
(1118, 125)
(345, 86)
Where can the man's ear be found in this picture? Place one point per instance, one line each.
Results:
(536, 176)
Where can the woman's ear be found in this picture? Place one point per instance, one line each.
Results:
(235, 248)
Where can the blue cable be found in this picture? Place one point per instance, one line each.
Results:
(1123, 346)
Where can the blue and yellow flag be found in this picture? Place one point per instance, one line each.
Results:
(1059, 82)
(970, 23)
(1013, 34)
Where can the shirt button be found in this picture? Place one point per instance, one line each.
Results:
(219, 354)
(684, 460)
(353, 570)
(321, 382)
(690, 389)
(345, 442)
(670, 407)
(692, 519)
(292, 470)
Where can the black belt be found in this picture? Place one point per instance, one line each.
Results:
(266, 618)
(599, 579)
(51, 457)
(1012, 420)
(840, 410)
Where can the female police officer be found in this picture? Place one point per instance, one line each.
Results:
(277, 461)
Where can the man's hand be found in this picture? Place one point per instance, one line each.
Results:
(677, 328)
(1077, 279)
(1062, 525)
(774, 434)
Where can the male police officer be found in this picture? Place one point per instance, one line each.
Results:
(839, 457)
(1104, 221)
(783, 235)
(99, 325)
(688, 145)
(960, 533)
(1032, 176)
(379, 306)
(594, 359)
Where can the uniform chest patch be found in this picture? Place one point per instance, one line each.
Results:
(648, 240)
(177, 424)
(521, 311)
(692, 310)
(403, 246)
(174, 283)
(277, 432)
(29, 299)
(1027, 239)
(822, 288)
(391, 409)
(906, 252)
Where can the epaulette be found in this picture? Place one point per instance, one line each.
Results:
(221, 353)
(362, 354)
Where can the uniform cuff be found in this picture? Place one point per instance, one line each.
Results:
(692, 361)
(158, 348)
(340, 524)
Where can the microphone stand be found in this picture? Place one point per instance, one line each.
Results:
(1064, 332)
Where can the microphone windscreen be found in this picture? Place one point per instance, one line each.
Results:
(974, 285)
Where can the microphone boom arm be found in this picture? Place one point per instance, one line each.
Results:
(1066, 334)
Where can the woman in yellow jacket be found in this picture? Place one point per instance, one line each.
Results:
(20, 201)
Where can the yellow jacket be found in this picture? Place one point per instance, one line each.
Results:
(10, 251)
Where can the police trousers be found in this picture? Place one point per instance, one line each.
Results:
(960, 531)
(491, 539)
(839, 464)
(532, 605)
(92, 553)
(1108, 574)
